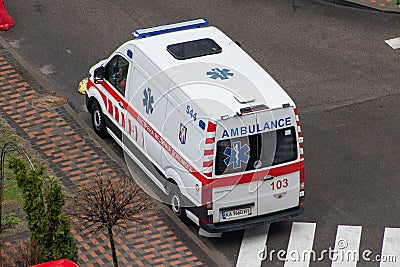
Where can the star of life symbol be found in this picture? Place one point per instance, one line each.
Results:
(237, 154)
(216, 73)
(148, 100)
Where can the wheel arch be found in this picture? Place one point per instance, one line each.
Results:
(174, 178)
(94, 95)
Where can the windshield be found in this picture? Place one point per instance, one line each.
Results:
(256, 151)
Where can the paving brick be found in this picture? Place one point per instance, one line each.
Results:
(75, 159)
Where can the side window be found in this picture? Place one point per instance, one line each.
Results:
(117, 72)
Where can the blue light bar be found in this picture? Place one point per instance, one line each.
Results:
(140, 33)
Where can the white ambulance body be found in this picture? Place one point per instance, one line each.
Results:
(224, 136)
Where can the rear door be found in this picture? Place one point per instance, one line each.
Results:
(235, 192)
(280, 184)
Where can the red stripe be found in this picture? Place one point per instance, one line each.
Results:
(129, 127)
(116, 115)
(210, 140)
(298, 123)
(301, 145)
(209, 152)
(257, 175)
(221, 181)
(295, 112)
(208, 174)
(207, 164)
(206, 194)
(300, 134)
(212, 127)
(114, 94)
(110, 108)
(89, 84)
(103, 96)
(302, 156)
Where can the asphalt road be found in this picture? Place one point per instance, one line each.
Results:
(332, 60)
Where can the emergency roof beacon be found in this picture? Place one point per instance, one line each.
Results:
(209, 126)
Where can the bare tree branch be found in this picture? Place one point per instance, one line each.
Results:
(106, 203)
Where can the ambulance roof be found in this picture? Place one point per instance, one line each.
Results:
(230, 77)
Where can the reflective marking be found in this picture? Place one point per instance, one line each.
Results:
(393, 43)
(136, 133)
(390, 254)
(347, 245)
(254, 240)
(300, 244)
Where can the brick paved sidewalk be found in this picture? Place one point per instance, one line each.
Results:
(74, 157)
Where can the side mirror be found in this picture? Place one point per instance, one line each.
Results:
(99, 75)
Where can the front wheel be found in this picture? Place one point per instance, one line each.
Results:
(176, 201)
(98, 120)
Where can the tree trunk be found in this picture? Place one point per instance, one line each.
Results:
(112, 244)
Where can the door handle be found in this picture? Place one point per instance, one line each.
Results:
(268, 177)
(121, 105)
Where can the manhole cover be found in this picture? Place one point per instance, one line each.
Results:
(49, 101)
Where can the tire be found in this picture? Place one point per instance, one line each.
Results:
(177, 202)
(98, 120)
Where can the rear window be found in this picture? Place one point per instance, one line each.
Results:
(196, 48)
(256, 151)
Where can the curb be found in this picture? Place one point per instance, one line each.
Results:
(179, 225)
(365, 6)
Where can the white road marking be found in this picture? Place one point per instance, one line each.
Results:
(254, 241)
(300, 245)
(347, 246)
(390, 255)
(394, 43)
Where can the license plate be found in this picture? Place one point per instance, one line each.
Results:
(236, 213)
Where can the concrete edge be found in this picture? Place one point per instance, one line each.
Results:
(196, 240)
(357, 4)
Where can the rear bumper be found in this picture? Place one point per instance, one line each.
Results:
(252, 222)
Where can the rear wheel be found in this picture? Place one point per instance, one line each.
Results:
(98, 120)
(176, 201)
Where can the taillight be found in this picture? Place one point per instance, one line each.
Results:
(207, 197)
(302, 179)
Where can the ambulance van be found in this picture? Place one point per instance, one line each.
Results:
(210, 127)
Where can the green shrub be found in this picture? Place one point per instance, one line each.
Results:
(43, 202)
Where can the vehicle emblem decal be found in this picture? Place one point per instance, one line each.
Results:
(216, 73)
(182, 134)
(237, 154)
(148, 100)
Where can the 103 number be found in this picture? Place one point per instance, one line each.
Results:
(279, 184)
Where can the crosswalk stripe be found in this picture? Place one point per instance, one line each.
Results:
(347, 245)
(390, 255)
(300, 245)
(254, 241)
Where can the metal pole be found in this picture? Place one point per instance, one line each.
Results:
(1, 186)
